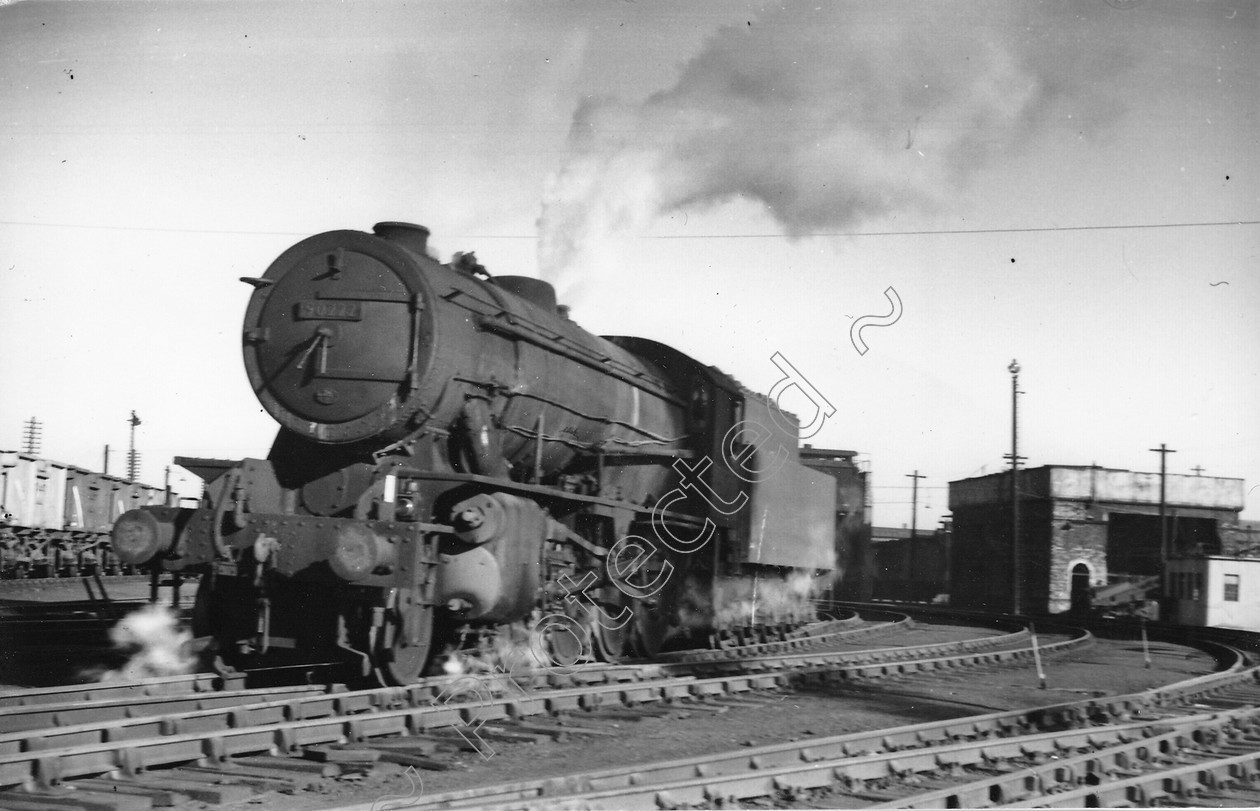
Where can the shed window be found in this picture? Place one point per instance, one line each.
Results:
(1231, 588)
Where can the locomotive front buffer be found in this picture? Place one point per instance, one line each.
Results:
(365, 586)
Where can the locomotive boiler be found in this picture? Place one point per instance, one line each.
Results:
(456, 457)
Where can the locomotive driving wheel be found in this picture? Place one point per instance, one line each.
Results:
(405, 638)
(644, 582)
(649, 629)
(612, 644)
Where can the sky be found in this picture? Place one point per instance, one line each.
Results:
(1075, 185)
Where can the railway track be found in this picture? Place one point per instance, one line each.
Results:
(1193, 742)
(19, 590)
(17, 622)
(24, 573)
(60, 741)
(1025, 770)
(87, 694)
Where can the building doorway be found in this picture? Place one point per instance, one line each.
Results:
(1080, 588)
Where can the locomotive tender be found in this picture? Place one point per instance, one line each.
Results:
(456, 458)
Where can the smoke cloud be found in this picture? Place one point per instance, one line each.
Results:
(825, 117)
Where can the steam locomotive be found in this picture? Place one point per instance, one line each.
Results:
(457, 458)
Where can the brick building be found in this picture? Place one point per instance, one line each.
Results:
(1081, 528)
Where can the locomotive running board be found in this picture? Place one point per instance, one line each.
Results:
(539, 491)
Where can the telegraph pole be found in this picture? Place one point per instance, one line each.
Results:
(1016, 568)
(1163, 452)
(133, 461)
(31, 436)
(914, 526)
(914, 502)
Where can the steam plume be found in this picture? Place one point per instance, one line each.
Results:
(749, 601)
(158, 645)
(824, 130)
(513, 652)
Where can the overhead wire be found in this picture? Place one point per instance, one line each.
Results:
(924, 232)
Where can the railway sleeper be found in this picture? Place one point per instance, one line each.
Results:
(419, 761)
(158, 797)
(207, 788)
(510, 734)
(166, 788)
(639, 713)
(587, 726)
(266, 779)
(74, 800)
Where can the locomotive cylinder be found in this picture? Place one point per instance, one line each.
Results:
(498, 577)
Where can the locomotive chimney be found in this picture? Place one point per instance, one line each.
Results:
(413, 237)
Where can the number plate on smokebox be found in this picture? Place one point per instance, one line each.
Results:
(334, 310)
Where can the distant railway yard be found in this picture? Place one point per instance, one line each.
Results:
(871, 706)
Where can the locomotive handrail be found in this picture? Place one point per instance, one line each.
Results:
(220, 509)
(648, 384)
(551, 401)
(539, 491)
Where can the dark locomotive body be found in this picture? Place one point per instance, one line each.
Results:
(457, 456)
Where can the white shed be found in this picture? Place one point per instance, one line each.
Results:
(1222, 592)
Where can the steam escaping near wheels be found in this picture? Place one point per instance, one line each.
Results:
(159, 645)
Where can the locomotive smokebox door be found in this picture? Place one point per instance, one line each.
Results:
(337, 339)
